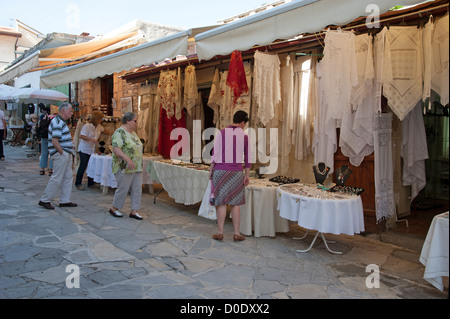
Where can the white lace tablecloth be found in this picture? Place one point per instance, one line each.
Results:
(435, 251)
(185, 184)
(259, 215)
(316, 209)
(100, 169)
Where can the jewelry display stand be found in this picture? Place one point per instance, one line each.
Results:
(320, 172)
(342, 174)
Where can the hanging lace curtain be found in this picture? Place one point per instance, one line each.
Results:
(356, 138)
(384, 175)
(169, 93)
(414, 150)
(215, 96)
(267, 87)
(436, 58)
(303, 101)
(440, 80)
(221, 98)
(244, 100)
(286, 125)
(190, 88)
(337, 75)
(403, 69)
(339, 71)
(226, 103)
(325, 138)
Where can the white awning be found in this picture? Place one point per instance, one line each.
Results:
(286, 22)
(144, 54)
(20, 68)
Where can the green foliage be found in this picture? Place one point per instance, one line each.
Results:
(396, 7)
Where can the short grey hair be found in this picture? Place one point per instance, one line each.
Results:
(64, 106)
(127, 117)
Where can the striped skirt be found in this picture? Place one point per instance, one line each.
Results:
(228, 188)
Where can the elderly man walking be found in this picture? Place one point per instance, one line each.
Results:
(60, 147)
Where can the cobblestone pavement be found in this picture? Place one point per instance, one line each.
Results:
(170, 254)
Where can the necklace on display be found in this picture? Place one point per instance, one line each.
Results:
(318, 171)
(320, 174)
(342, 173)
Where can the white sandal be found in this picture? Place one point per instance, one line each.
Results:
(136, 216)
(117, 213)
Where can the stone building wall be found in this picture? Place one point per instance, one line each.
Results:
(89, 95)
(85, 98)
(124, 89)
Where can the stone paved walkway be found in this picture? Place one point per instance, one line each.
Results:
(170, 254)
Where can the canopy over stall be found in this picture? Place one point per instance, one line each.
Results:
(76, 52)
(20, 68)
(287, 22)
(158, 50)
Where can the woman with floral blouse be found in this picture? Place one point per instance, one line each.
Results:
(127, 166)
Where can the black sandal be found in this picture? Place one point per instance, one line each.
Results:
(42, 172)
(50, 172)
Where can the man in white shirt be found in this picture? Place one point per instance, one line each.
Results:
(88, 140)
(2, 134)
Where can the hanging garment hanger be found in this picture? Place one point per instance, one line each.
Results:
(403, 23)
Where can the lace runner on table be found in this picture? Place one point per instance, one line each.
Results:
(312, 191)
(186, 184)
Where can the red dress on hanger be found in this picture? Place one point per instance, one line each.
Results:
(166, 126)
(236, 78)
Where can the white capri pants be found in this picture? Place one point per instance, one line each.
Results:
(128, 182)
(61, 181)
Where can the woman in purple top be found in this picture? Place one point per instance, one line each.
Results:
(231, 150)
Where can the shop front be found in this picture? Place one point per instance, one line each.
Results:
(319, 87)
(323, 103)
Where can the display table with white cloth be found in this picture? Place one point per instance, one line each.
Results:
(434, 255)
(185, 183)
(100, 169)
(259, 215)
(316, 209)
